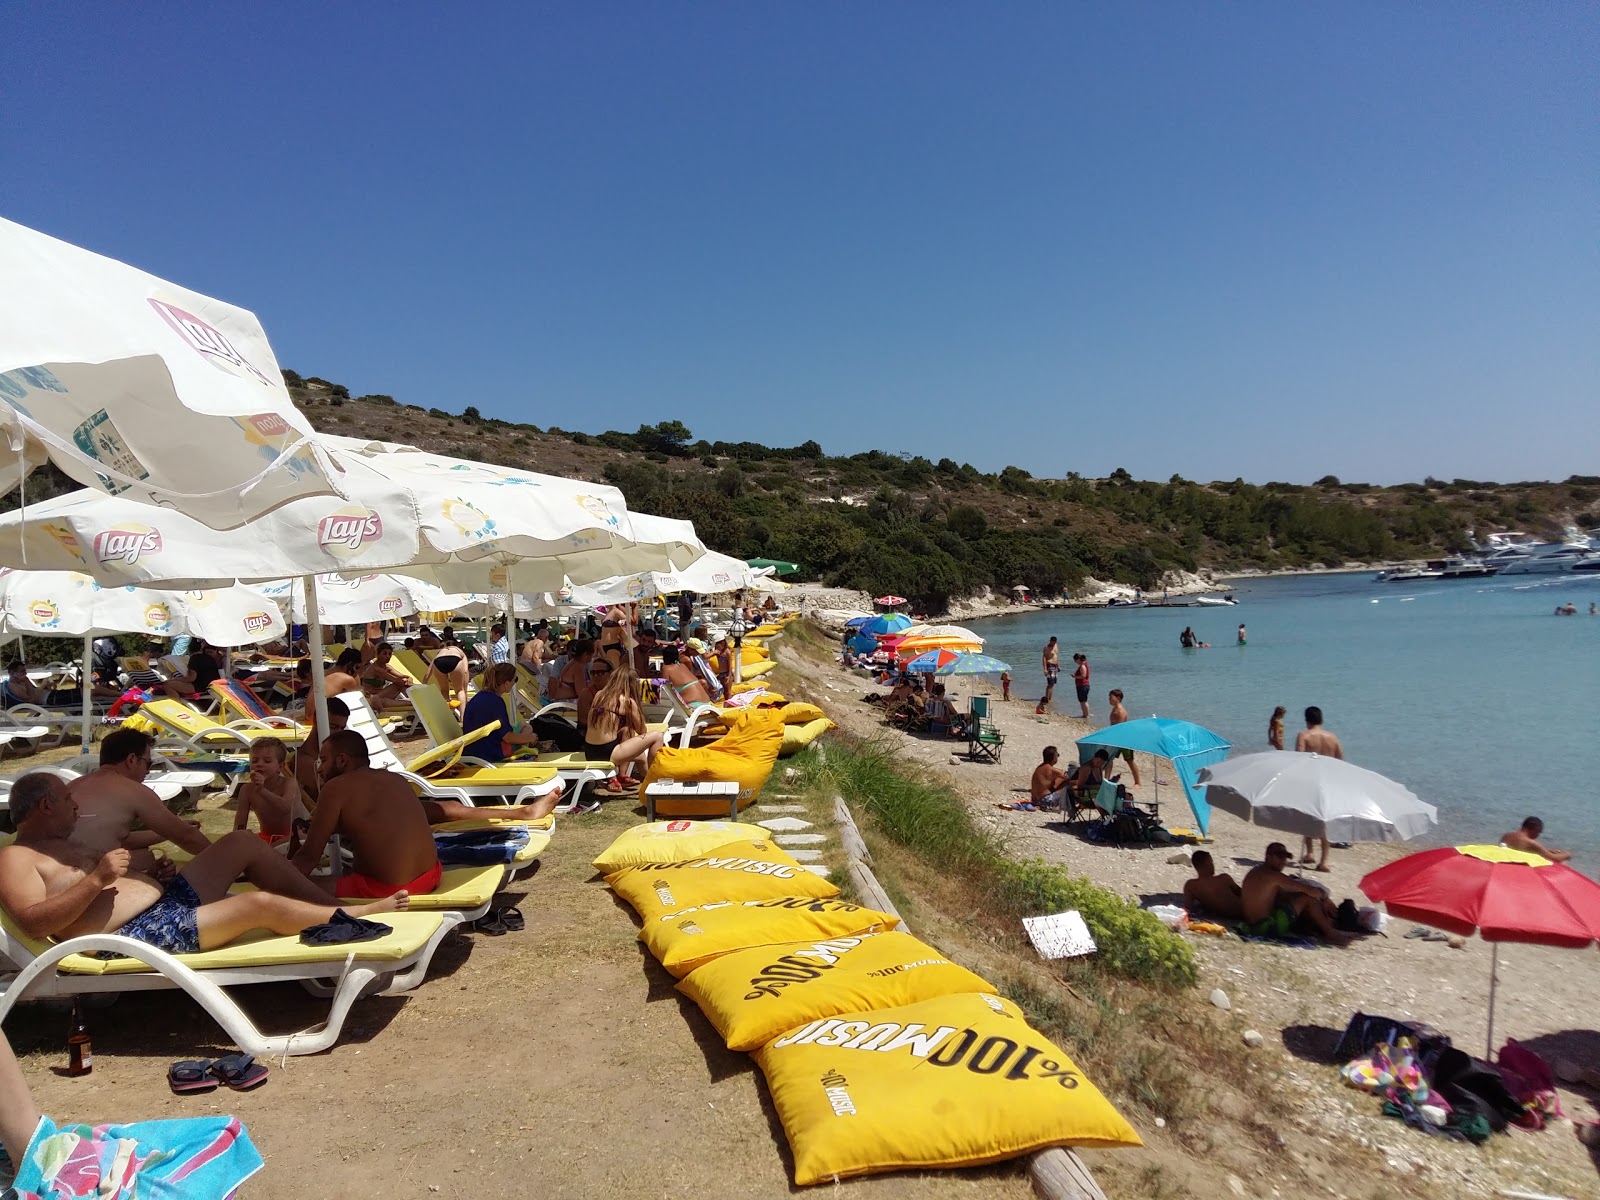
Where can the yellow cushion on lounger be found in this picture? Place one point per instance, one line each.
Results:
(797, 712)
(954, 1082)
(752, 996)
(460, 887)
(692, 937)
(754, 670)
(751, 870)
(744, 755)
(798, 737)
(672, 841)
(261, 949)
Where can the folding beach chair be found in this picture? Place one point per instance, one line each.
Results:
(35, 968)
(238, 701)
(984, 740)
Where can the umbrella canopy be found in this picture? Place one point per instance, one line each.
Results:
(1317, 796)
(1188, 746)
(858, 622)
(119, 378)
(710, 573)
(67, 604)
(888, 624)
(462, 526)
(920, 638)
(955, 662)
(775, 565)
(864, 643)
(1504, 895)
(890, 601)
(343, 599)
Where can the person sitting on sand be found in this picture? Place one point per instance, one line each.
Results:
(1527, 839)
(1208, 892)
(376, 814)
(1276, 906)
(1047, 788)
(52, 886)
(272, 793)
(113, 798)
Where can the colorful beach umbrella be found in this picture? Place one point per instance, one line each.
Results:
(144, 389)
(920, 638)
(1503, 895)
(888, 624)
(890, 601)
(1189, 747)
(858, 622)
(1317, 796)
(955, 662)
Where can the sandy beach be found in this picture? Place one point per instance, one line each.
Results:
(1298, 998)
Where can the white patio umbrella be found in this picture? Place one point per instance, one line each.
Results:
(348, 599)
(404, 510)
(69, 604)
(142, 388)
(1316, 796)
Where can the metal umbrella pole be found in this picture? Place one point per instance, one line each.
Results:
(319, 679)
(86, 683)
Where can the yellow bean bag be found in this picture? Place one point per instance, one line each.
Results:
(752, 996)
(798, 713)
(953, 1082)
(692, 937)
(756, 653)
(797, 737)
(745, 754)
(754, 670)
(672, 841)
(755, 870)
(738, 686)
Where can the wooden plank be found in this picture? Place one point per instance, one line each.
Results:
(855, 845)
(1059, 1174)
(871, 891)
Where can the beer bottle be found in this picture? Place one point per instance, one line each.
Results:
(80, 1057)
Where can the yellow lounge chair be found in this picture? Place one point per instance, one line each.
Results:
(467, 891)
(443, 725)
(35, 968)
(507, 783)
(174, 719)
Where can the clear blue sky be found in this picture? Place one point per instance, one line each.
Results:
(1270, 240)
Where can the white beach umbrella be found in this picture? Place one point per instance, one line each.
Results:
(142, 388)
(710, 573)
(347, 599)
(1316, 796)
(69, 604)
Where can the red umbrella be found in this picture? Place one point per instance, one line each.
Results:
(890, 601)
(1503, 895)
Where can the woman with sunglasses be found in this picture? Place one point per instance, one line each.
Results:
(616, 729)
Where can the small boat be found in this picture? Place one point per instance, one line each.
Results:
(1411, 574)
(1216, 601)
(1120, 602)
(1459, 567)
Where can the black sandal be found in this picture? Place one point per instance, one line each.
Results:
(241, 1072)
(190, 1076)
(511, 918)
(491, 923)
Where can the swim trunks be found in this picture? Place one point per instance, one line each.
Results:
(355, 885)
(1051, 674)
(272, 839)
(1279, 923)
(168, 924)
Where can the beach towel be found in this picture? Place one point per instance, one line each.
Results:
(479, 847)
(192, 1158)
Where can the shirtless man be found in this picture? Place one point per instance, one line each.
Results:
(111, 799)
(1211, 893)
(377, 815)
(54, 887)
(1277, 906)
(427, 639)
(1527, 839)
(345, 676)
(1047, 788)
(1052, 671)
(1314, 739)
(1119, 714)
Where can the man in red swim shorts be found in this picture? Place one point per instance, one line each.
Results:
(378, 817)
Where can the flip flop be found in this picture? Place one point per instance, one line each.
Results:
(491, 923)
(241, 1072)
(191, 1075)
(512, 919)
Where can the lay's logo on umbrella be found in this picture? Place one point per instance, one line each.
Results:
(126, 545)
(208, 342)
(257, 621)
(390, 604)
(346, 531)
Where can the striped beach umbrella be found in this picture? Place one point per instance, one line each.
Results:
(955, 662)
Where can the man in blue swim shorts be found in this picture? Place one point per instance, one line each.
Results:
(54, 887)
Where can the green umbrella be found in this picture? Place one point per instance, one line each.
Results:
(778, 566)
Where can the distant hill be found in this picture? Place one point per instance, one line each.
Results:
(933, 531)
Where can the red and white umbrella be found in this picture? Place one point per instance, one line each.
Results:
(890, 601)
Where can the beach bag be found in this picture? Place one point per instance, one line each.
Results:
(673, 841)
(753, 870)
(1366, 1031)
(752, 996)
(745, 755)
(1530, 1079)
(954, 1082)
(691, 937)
(1472, 1087)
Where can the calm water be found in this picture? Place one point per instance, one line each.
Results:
(1468, 691)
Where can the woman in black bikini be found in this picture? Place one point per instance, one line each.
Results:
(616, 729)
(448, 670)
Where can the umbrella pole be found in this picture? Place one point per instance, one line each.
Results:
(511, 641)
(86, 681)
(1494, 978)
(319, 679)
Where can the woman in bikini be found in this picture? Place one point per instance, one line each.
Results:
(616, 729)
(682, 679)
(1275, 728)
(448, 670)
(610, 645)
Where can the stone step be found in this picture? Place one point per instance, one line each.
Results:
(816, 870)
(801, 839)
(805, 856)
(784, 824)
(780, 808)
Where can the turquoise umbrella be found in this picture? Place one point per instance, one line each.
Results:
(888, 623)
(953, 662)
(1188, 746)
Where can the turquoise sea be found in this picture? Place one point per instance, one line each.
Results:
(1470, 692)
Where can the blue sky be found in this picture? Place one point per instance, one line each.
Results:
(1230, 239)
